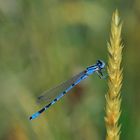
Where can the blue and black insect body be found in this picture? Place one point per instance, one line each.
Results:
(53, 95)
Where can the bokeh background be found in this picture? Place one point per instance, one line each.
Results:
(43, 43)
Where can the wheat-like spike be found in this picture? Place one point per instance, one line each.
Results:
(113, 99)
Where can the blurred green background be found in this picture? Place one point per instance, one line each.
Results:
(43, 43)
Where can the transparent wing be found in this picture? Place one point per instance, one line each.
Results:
(51, 94)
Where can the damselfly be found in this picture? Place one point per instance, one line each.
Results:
(53, 95)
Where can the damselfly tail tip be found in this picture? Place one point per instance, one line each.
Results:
(34, 116)
(30, 118)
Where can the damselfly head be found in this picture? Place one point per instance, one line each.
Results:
(100, 64)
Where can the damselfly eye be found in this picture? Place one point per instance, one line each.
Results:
(100, 64)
